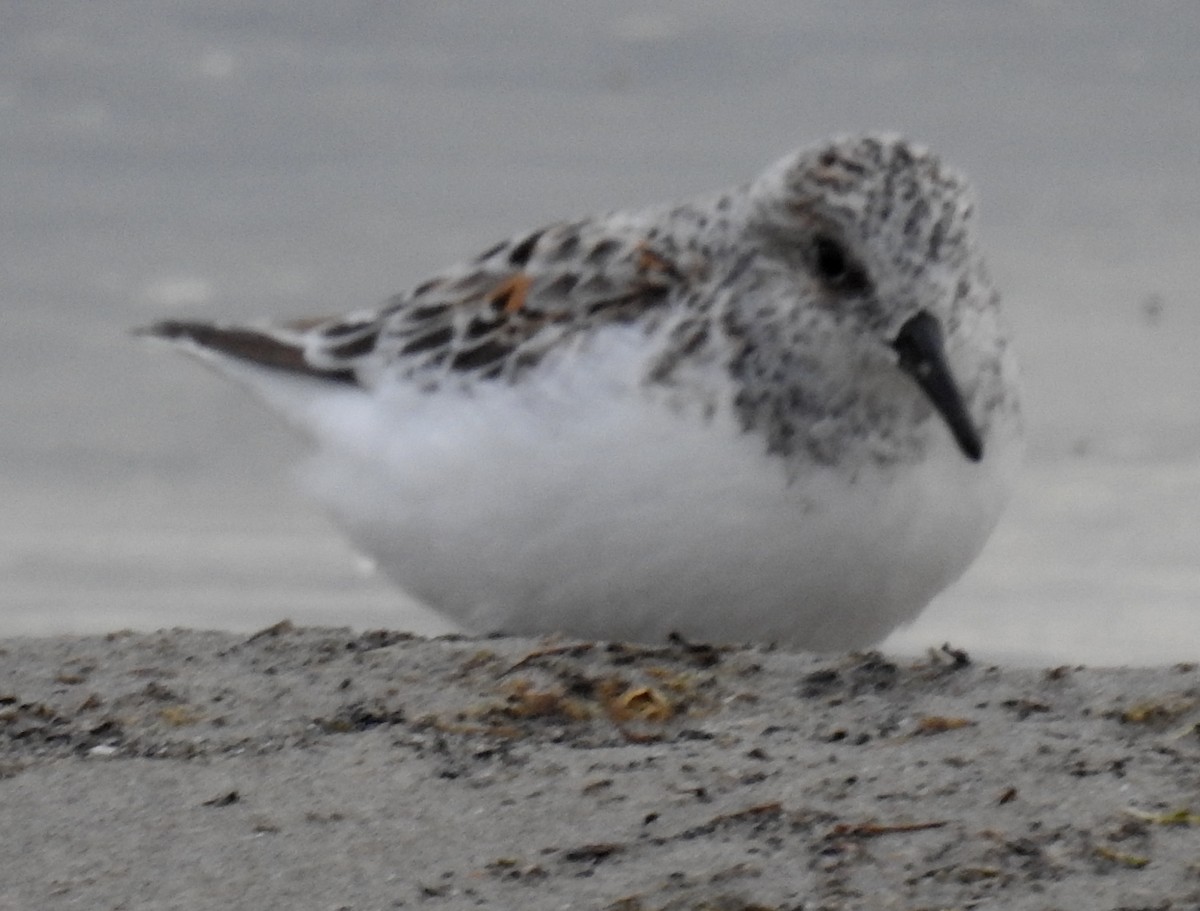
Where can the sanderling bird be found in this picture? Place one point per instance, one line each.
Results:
(782, 412)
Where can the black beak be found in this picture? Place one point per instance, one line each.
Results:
(923, 357)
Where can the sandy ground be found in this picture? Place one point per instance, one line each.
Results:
(319, 768)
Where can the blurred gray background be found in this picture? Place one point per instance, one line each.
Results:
(219, 158)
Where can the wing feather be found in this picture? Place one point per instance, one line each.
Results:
(501, 311)
(492, 316)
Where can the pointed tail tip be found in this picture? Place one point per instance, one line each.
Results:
(171, 329)
(245, 343)
(258, 347)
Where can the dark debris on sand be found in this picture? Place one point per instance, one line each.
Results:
(326, 769)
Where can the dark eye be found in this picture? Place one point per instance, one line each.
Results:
(835, 267)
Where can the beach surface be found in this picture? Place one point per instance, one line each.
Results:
(323, 768)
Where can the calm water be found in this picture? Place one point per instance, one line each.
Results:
(213, 158)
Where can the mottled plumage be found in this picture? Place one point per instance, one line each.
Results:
(785, 411)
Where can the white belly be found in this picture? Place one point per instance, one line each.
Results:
(581, 505)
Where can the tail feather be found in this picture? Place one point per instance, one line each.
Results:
(255, 346)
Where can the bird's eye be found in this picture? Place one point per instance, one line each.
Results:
(835, 267)
(830, 258)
